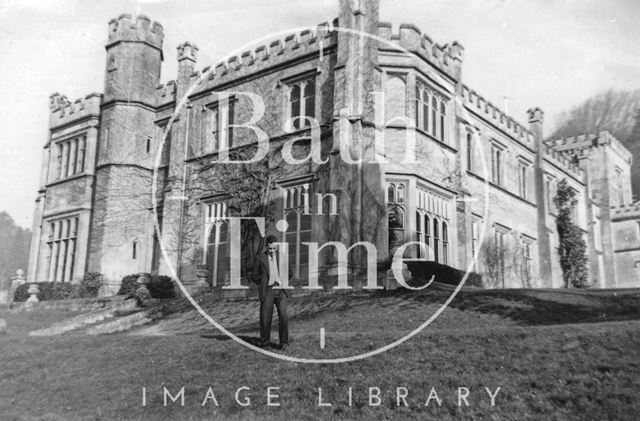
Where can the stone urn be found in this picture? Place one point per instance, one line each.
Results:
(33, 293)
(142, 294)
(202, 273)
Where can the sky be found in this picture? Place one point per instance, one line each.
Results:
(518, 54)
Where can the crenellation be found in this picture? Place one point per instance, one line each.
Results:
(472, 100)
(126, 28)
(57, 101)
(276, 48)
(261, 53)
(384, 30)
(166, 91)
(63, 111)
(410, 37)
(291, 42)
(630, 210)
(276, 51)
(591, 141)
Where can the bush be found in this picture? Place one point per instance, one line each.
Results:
(159, 286)
(128, 285)
(90, 284)
(421, 271)
(49, 291)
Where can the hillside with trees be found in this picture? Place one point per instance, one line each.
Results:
(615, 111)
(14, 246)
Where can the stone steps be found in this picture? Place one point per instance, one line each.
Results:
(124, 323)
(92, 318)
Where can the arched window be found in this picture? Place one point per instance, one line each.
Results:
(436, 240)
(400, 198)
(427, 237)
(425, 110)
(419, 237)
(445, 243)
(391, 193)
(443, 112)
(396, 227)
(469, 152)
(434, 110)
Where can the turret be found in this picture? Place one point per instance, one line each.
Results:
(536, 122)
(187, 58)
(134, 58)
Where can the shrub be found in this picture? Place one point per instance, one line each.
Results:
(49, 291)
(90, 284)
(159, 286)
(128, 285)
(423, 271)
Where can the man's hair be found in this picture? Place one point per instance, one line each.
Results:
(271, 239)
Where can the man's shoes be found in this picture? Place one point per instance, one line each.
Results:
(264, 346)
(283, 347)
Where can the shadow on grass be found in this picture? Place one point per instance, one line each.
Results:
(534, 307)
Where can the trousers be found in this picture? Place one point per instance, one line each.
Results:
(279, 298)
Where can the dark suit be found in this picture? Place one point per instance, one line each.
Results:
(268, 296)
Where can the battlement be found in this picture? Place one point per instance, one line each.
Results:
(562, 161)
(631, 210)
(267, 55)
(165, 92)
(187, 51)
(140, 29)
(448, 58)
(480, 105)
(582, 145)
(63, 111)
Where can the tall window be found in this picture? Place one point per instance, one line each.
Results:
(302, 97)
(296, 213)
(475, 237)
(619, 189)
(496, 165)
(445, 242)
(395, 214)
(62, 249)
(522, 179)
(434, 118)
(422, 107)
(443, 127)
(431, 111)
(71, 156)
(218, 135)
(499, 244)
(469, 151)
(550, 194)
(432, 218)
(419, 232)
(526, 263)
(217, 241)
(436, 240)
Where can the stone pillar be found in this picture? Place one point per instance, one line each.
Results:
(358, 188)
(16, 281)
(536, 120)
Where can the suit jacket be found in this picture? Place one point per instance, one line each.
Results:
(261, 274)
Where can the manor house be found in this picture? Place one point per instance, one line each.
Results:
(440, 165)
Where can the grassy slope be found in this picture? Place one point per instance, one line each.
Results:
(485, 339)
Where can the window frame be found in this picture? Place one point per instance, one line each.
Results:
(289, 124)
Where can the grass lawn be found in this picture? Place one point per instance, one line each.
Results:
(587, 368)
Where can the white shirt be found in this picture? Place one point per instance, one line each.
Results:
(273, 271)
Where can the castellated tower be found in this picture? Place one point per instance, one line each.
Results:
(126, 150)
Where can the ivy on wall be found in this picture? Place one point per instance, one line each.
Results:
(572, 250)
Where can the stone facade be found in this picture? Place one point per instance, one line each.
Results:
(452, 166)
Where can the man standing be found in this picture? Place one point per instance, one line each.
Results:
(266, 273)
